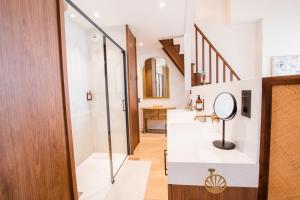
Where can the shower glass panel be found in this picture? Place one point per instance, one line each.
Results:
(88, 106)
(117, 105)
(98, 104)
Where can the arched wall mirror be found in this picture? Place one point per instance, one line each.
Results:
(156, 78)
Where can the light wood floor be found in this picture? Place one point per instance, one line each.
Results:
(152, 148)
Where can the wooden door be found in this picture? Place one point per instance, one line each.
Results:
(132, 90)
(35, 143)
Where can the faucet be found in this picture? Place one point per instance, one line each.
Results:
(214, 118)
(202, 118)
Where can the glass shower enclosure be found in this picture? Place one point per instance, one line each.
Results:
(96, 67)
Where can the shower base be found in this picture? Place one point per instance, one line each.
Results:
(93, 175)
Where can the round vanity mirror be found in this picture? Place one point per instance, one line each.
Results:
(225, 108)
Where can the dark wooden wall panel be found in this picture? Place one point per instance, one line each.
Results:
(132, 90)
(34, 144)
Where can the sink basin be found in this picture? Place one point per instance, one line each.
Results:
(191, 153)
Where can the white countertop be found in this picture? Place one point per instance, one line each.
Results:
(191, 153)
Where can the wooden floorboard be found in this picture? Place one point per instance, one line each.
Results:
(152, 148)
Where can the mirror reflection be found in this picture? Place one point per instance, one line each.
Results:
(156, 78)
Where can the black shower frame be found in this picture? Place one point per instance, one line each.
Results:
(105, 37)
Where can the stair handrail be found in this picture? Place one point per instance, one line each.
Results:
(218, 55)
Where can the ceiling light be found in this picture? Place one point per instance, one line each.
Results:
(162, 4)
(141, 44)
(96, 14)
(72, 15)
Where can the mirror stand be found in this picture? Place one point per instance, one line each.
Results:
(222, 144)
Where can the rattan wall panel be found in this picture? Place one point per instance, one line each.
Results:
(284, 169)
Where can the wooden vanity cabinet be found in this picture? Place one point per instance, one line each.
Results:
(184, 192)
(153, 113)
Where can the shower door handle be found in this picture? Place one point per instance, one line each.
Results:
(124, 105)
(165, 161)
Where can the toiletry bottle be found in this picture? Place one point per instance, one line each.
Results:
(199, 104)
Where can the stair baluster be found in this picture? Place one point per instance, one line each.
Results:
(196, 76)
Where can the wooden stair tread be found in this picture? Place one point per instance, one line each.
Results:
(173, 51)
(167, 42)
(177, 47)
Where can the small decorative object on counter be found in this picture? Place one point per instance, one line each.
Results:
(203, 77)
(215, 183)
(89, 96)
(189, 106)
(199, 104)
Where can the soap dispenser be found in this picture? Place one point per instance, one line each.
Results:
(199, 104)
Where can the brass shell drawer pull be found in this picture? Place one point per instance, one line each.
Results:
(215, 183)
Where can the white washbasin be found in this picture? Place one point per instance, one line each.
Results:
(191, 153)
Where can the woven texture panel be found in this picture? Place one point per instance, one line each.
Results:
(284, 169)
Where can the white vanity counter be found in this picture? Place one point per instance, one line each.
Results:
(191, 153)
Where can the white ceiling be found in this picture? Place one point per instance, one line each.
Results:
(147, 20)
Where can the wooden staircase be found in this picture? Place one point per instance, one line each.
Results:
(173, 51)
(211, 66)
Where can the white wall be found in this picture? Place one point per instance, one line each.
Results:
(248, 33)
(281, 37)
(189, 43)
(238, 43)
(118, 34)
(177, 84)
(280, 28)
(245, 132)
(213, 10)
